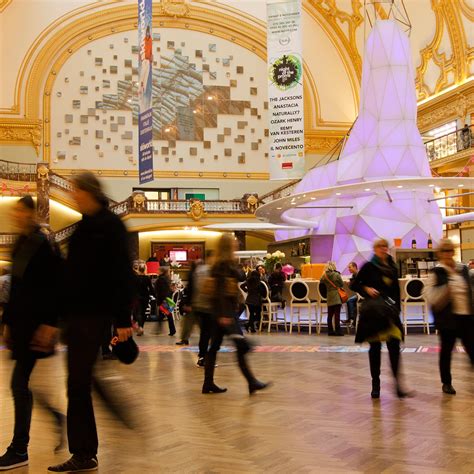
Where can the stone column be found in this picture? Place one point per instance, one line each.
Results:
(240, 236)
(42, 192)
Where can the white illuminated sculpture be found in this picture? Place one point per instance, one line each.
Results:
(384, 144)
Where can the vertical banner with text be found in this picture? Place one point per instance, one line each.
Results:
(145, 113)
(285, 89)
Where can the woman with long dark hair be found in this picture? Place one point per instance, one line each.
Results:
(224, 293)
(379, 319)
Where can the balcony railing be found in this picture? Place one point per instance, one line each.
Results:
(450, 144)
(17, 171)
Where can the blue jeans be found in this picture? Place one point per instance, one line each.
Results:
(352, 308)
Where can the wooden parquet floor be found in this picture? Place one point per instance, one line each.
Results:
(317, 417)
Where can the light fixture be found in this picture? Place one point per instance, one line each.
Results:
(279, 208)
(167, 129)
(431, 185)
(460, 185)
(367, 189)
(313, 199)
(209, 97)
(338, 194)
(195, 111)
(399, 186)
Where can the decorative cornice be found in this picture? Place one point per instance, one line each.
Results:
(4, 4)
(451, 105)
(171, 174)
(320, 142)
(21, 131)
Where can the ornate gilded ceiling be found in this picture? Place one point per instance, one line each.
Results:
(341, 20)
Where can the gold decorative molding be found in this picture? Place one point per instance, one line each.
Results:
(21, 132)
(332, 20)
(4, 4)
(455, 69)
(175, 8)
(19, 85)
(170, 174)
(320, 142)
(451, 105)
(196, 210)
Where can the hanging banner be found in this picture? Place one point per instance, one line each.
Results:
(145, 113)
(285, 89)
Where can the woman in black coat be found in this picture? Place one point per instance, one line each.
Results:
(225, 300)
(254, 300)
(163, 290)
(30, 318)
(379, 318)
(144, 289)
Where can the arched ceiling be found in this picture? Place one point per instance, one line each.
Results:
(442, 39)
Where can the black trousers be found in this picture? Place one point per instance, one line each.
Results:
(23, 402)
(375, 358)
(464, 330)
(169, 317)
(217, 335)
(334, 318)
(140, 314)
(205, 323)
(84, 338)
(255, 314)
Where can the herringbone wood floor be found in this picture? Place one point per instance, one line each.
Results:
(317, 417)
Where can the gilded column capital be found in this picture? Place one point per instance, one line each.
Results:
(21, 131)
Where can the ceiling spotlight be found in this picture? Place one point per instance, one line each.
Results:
(167, 130)
(460, 185)
(431, 186)
(313, 199)
(399, 186)
(195, 111)
(367, 189)
(209, 97)
(279, 208)
(338, 194)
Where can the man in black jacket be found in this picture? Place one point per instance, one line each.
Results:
(95, 301)
(30, 319)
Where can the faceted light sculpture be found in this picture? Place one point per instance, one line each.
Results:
(384, 144)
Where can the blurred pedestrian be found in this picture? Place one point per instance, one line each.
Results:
(254, 300)
(163, 291)
(226, 276)
(31, 317)
(449, 293)
(352, 301)
(96, 300)
(332, 280)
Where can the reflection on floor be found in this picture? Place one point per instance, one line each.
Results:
(317, 417)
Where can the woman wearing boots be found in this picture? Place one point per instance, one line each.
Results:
(379, 319)
(225, 301)
(332, 281)
(449, 293)
(254, 300)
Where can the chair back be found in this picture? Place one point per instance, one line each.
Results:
(176, 296)
(299, 291)
(322, 292)
(265, 292)
(414, 289)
